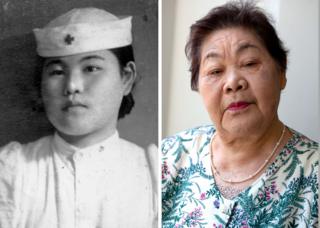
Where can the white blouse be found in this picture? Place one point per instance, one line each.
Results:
(50, 183)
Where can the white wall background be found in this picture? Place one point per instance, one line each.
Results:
(297, 23)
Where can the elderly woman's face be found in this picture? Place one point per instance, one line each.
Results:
(82, 93)
(239, 81)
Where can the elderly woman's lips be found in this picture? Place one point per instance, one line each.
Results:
(238, 106)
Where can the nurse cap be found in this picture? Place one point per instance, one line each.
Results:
(83, 30)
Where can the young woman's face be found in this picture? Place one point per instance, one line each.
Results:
(82, 93)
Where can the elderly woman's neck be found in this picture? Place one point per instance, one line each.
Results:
(233, 149)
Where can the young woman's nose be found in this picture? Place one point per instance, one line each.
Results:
(73, 83)
(235, 82)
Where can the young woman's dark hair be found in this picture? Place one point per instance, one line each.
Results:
(243, 14)
(123, 54)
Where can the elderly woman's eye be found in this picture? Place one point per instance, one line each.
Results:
(91, 69)
(215, 72)
(250, 64)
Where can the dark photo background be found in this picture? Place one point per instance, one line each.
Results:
(19, 118)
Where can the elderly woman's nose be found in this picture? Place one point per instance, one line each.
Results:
(73, 83)
(235, 82)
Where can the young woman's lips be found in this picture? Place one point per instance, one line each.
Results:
(236, 106)
(73, 106)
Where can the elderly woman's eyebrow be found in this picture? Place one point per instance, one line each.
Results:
(89, 57)
(246, 46)
(211, 55)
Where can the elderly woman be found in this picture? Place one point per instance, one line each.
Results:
(250, 169)
(84, 175)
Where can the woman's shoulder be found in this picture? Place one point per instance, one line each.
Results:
(185, 150)
(302, 144)
(187, 138)
(14, 151)
(302, 152)
(9, 154)
(131, 154)
(15, 159)
(131, 149)
(199, 130)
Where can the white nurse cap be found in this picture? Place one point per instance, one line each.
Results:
(83, 30)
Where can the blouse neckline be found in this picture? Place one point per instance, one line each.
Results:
(272, 168)
(70, 153)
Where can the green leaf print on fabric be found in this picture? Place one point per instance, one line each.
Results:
(286, 195)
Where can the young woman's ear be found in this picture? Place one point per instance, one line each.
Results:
(129, 75)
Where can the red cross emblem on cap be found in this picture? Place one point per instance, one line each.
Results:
(68, 39)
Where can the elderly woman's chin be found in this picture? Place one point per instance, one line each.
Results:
(240, 128)
(245, 124)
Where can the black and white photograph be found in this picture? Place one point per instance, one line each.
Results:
(79, 114)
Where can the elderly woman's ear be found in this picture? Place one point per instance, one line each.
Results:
(129, 75)
(283, 80)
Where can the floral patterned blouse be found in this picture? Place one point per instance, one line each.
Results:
(286, 195)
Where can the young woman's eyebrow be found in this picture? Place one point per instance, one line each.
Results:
(92, 57)
(53, 62)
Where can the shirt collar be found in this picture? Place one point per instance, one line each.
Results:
(68, 150)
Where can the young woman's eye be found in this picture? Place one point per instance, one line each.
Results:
(56, 72)
(92, 69)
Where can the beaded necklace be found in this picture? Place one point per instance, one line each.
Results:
(231, 181)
